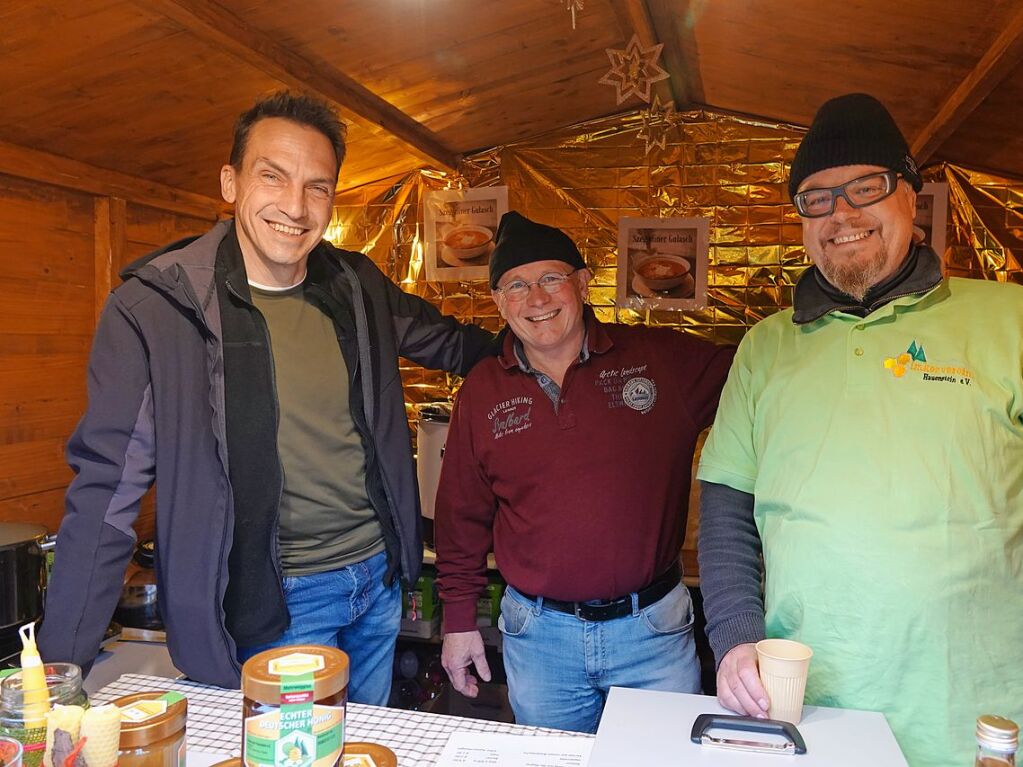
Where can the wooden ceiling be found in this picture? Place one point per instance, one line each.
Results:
(151, 88)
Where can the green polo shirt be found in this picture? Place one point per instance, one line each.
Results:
(885, 456)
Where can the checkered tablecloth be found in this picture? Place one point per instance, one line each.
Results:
(214, 721)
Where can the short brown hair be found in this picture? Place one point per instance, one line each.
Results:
(299, 108)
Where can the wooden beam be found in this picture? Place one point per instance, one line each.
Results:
(998, 61)
(34, 165)
(111, 244)
(634, 18)
(673, 23)
(212, 23)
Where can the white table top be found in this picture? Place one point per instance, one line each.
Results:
(644, 727)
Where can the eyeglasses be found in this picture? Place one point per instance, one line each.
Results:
(552, 282)
(859, 193)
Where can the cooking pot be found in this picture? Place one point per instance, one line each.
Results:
(138, 607)
(22, 572)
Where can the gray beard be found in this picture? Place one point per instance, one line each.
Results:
(854, 280)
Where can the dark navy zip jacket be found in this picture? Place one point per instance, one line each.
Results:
(162, 407)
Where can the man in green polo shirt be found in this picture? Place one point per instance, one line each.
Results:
(869, 444)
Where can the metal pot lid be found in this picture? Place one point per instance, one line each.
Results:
(19, 533)
(145, 553)
(436, 411)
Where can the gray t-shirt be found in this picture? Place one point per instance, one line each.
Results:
(326, 519)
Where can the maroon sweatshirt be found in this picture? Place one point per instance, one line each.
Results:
(584, 501)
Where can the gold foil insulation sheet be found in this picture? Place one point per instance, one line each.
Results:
(985, 230)
(730, 169)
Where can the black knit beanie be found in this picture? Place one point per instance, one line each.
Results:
(854, 129)
(521, 241)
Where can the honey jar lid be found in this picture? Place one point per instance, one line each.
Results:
(262, 674)
(368, 755)
(147, 717)
(997, 732)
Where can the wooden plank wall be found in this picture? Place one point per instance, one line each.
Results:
(60, 249)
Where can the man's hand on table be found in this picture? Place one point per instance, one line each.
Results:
(460, 651)
(739, 687)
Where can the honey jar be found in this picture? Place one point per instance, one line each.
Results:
(293, 707)
(152, 729)
(369, 755)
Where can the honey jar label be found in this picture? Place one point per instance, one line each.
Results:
(143, 710)
(296, 664)
(298, 734)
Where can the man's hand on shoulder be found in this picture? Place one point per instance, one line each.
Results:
(739, 687)
(462, 650)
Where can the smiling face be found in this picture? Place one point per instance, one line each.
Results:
(283, 194)
(856, 248)
(550, 325)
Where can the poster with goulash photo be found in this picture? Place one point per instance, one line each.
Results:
(931, 220)
(662, 263)
(460, 225)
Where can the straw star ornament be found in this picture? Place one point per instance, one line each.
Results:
(634, 69)
(656, 121)
(573, 6)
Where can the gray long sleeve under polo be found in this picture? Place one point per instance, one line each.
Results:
(730, 568)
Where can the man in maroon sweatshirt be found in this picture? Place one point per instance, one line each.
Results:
(570, 455)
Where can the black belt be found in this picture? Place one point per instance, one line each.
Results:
(617, 608)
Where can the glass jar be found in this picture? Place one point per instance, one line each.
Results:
(997, 739)
(152, 729)
(10, 752)
(370, 753)
(64, 684)
(293, 707)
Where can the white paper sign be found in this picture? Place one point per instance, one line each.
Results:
(662, 263)
(932, 216)
(473, 749)
(460, 226)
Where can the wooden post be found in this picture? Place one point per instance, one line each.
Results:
(111, 243)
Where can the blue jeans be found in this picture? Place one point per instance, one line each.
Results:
(353, 610)
(560, 667)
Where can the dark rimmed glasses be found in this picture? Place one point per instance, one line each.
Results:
(551, 282)
(859, 193)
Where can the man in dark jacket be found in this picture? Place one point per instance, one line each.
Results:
(253, 372)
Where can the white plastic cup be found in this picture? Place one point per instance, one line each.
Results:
(783, 666)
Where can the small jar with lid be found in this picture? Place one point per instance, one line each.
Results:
(361, 754)
(997, 739)
(152, 729)
(293, 707)
(64, 685)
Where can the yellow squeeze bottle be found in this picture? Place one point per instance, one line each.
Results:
(35, 695)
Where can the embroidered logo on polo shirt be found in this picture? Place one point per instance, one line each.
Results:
(511, 416)
(898, 364)
(640, 394)
(613, 382)
(914, 361)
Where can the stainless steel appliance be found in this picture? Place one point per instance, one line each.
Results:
(430, 439)
(22, 579)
